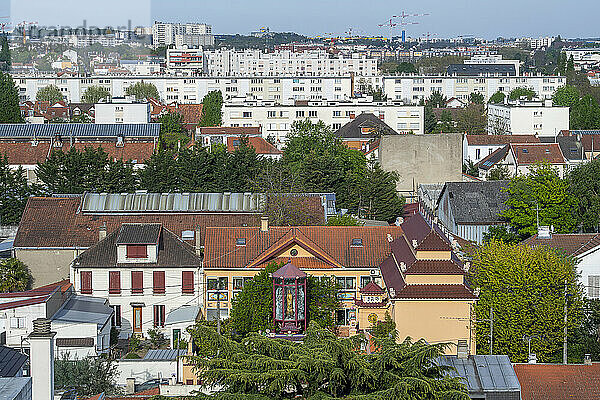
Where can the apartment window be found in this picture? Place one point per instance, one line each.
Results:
(271, 114)
(478, 154)
(217, 283)
(247, 114)
(114, 282)
(345, 316)
(187, 279)
(346, 282)
(116, 317)
(594, 286)
(134, 251)
(158, 282)
(336, 126)
(17, 322)
(238, 284)
(137, 282)
(312, 114)
(159, 316)
(299, 114)
(365, 280)
(86, 282)
(337, 113)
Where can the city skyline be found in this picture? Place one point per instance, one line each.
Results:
(464, 17)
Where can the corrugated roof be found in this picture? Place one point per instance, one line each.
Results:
(182, 314)
(11, 362)
(78, 130)
(484, 373)
(173, 202)
(498, 155)
(164, 354)
(75, 342)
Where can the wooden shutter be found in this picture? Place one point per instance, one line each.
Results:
(86, 282)
(187, 279)
(137, 251)
(155, 316)
(137, 282)
(114, 282)
(159, 282)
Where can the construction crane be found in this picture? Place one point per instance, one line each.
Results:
(4, 25)
(391, 24)
(403, 21)
(24, 25)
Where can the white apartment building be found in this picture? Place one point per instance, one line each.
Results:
(225, 62)
(276, 120)
(192, 90)
(168, 34)
(141, 67)
(585, 58)
(189, 60)
(414, 88)
(493, 59)
(122, 113)
(527, 118)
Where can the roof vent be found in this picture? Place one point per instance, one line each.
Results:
(392, 292)
(415, 243)
(390, 238)
(41, 326)
(544, 232)
(532, 359)
(463, 348)
(467, 266)
(587, 359)
(403, 266)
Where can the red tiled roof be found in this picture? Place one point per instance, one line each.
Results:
(372, 288)
(435, 267)
(587, 140)
(362, 304)
(527, 154)
(230, 130)
(261, 146)
(23, 153)
(573, 244)
(490, 140)
(434, 241)
(331, 245)
(143, 395)
(33, 296)
(556, 381)
(191, 113)
(445, 291)
(57, 222)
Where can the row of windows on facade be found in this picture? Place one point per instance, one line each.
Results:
(159, 316)
(137, 282)
(342, 282)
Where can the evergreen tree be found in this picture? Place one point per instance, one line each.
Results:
(377, 195)
(497, 98)
(430, 120)
(476, 98)
(50, 93)
(172, 132)
(5, 60)
(161, 173)
(436, 100)
(14, 276)
(14, 192)
(10, 113)
(212, 114)
(242, 168)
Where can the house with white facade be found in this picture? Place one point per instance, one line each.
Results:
(82, 323)
(276, 119)
(517, 159)
(477, 147)
(123, 112)
(527, 118)
(584, 247)
(145, 271)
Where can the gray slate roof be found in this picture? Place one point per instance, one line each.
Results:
(11, 388)
(84, 309)
(485, 374)
(353, 129)
(11, 362)
(481, 69)
(78, 130)
(172, 253)
(164, 354)
(476, 203)
(139, 234)
(571, 148)
(182, 314)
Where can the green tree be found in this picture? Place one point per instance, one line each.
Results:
(252, 309)
(14, 276)
(446, 123)
(212, 105)
(142, 91)
(585, 114)
(10, 113)
(570, 65)
(499, 173)
(526, 288)
(385, 328)
(472, 120)
(14, 192)
(157, 338)
(50, 93)
(322, 366)
(501, 233)
(377, 196)
(430, 123)
(476, 98)
(497, 98)
(378, 94)
(565, 96)
(540, 194)
(173, 135)
(520, 92)
(342, 220)
(584, 185)
(436, 100)
(5, 59)
(94, 94)
(583, 338)
(88, 376)
(470, 168)
(161, 173)
(242, 167)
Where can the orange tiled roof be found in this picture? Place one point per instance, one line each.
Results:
(258, 142)
(573, 244)
(527, 154)
(557, 381)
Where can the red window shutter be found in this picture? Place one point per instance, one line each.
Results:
(155, 316)
(114, 282)
(162, 316)
(137, 282)
(86, 282)
(159, 282)
(187, 278)
(137, 251)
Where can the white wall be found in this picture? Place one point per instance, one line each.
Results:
(143, 370)
(528, 120)
(122, 113)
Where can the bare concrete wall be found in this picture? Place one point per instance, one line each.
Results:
(422, 159)
(46, 265)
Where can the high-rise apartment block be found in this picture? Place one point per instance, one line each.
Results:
(179, 35)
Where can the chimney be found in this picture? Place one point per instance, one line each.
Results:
(130, 388)
(42, 359)
(587, 359)
(463, 349)
(544, 232)
(264, 224)
(532, 359)
(198, 241)
(102, 232)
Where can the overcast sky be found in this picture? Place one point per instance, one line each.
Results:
(484, 18)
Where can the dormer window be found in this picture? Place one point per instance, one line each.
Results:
(240, 241)
(136, 251)
(357, 242)
(187, 235)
